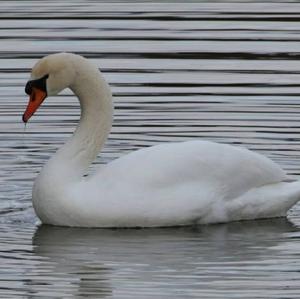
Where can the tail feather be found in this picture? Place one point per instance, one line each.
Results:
(272, 200)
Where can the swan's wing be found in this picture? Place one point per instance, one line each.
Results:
(232, 169)
(184, 183)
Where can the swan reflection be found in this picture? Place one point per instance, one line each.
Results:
(106, 262)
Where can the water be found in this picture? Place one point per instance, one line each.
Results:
(224, 71)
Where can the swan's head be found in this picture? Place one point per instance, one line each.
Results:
(49, 77)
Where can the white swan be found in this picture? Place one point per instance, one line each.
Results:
(165, 185)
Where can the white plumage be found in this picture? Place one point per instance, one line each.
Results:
(165, 185)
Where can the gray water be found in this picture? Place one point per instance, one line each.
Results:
(222, 71)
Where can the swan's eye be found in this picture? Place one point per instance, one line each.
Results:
(37, 83)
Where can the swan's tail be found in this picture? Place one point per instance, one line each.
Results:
(272, 200)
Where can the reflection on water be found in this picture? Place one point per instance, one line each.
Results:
(161, 263)
(224, 71)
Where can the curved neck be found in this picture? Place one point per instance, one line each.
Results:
(72, 160)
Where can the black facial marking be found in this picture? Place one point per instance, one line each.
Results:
(38, 83)
(32, 98)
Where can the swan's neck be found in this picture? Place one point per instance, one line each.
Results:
(73, 159)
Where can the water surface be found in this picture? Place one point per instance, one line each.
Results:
(222, 71)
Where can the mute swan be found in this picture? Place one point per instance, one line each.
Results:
(193, 182)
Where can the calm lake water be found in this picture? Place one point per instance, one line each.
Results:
(222, 71)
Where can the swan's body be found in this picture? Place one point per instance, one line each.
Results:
(165, 185)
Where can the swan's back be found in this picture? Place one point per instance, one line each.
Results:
(223, 166)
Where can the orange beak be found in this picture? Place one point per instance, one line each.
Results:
(36, 99)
